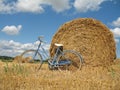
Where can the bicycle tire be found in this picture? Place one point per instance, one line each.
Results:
(28, 55)
(75, 58)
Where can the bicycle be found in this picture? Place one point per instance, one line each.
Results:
(62, 59)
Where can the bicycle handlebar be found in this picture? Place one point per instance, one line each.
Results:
(40, 38)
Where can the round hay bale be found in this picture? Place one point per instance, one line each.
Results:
(92, 39)
(20, 59)
(17, 59)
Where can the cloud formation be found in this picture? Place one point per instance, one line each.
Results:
(12, 48)
(33, 6)
(58, 5)
(38, 6)
(117, 40)
(116, 29)
(116, 23)
(12, 30)
(87, 5)
(6, 8)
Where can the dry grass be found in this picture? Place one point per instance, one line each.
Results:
(24, 77)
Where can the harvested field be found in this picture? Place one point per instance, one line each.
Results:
(24, 77)
(89, 37)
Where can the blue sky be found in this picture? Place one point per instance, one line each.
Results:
(22, 21)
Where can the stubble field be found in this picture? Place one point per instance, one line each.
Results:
(14, 76)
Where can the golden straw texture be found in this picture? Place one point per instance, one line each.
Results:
(92, 39)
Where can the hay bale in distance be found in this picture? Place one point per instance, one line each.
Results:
(20, 59)
(92, 39)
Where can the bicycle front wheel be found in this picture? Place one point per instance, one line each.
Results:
(31, 56)
(74, 57)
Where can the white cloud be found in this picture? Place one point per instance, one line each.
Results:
(33, 6)
(117, 40)
(12, 48)
(116, 23)
(6, 8)
(116, 32)
(38, 6)
(58, 5)
(116, 29)
(21, 6)
(12, 30)
(87, 5)
(29, 6)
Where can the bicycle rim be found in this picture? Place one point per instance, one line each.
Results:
(30, 56)
(74, 57)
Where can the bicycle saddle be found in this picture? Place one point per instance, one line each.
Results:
(57, 44)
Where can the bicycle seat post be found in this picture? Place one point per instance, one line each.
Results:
(58, 50)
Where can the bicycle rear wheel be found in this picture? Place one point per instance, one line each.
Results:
(32, 56)
(74, 57)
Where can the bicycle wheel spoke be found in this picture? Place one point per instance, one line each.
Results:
(73, 57)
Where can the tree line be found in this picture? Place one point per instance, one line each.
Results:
(6, 58)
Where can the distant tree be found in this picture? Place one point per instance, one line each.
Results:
(6, 58)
